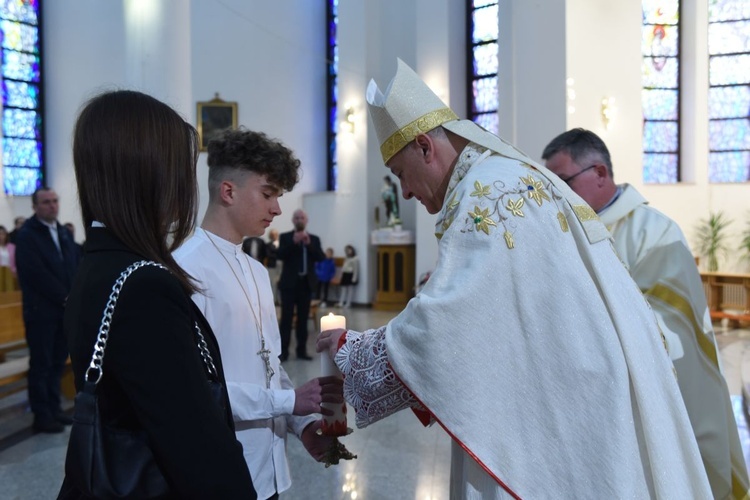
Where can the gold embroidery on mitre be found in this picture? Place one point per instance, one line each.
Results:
(584, 213)
(563, 222)
(509, 240)
(408, 132)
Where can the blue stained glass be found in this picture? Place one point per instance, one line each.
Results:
(660, 72)
(659, 168)
(729, 37)
(660, 41)
(20, 66)
(660, 137)
(485, 95)
(728, 70)
(21, 152)
(21, 181)
(20, 10)
(660, 78)
(729, 167)
(659, 104)
(728, 10)
(21, 37)
(21, 123)
(489, 121)
(729, 102)
(729, 135)
(485, 59)
(20, 94)
(486, 26)
(333, 92)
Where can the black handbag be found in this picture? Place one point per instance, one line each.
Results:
(106, 462)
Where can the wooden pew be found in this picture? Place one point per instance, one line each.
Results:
(728, 296)
(12, 332)
(13, 338)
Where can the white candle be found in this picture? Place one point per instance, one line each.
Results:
(334, 425)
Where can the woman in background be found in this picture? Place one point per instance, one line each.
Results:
(135, 162)
(349, 276)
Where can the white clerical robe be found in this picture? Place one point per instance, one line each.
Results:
(661, 263)
(533, 348)
(262, 415)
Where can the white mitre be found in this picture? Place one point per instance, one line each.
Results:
(409, 108)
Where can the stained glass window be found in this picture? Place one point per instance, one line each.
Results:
(483, 52)
(660, 99)
(729, 90)
(332, 61)
(23, 169)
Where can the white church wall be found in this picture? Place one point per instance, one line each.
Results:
(269, 57)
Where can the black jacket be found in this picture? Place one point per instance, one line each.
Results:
(154, 377)
(44, 275)
(290, 254)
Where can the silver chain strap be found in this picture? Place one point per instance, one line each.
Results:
(207, 359)
(97, 359)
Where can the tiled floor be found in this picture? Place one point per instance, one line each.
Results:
(398, 458)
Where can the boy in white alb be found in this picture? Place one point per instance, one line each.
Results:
(247, 174)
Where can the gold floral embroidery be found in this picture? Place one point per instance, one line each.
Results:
(453, 203)
(535, 189)
(509, 240)
(584, 213)
(482, 220)
(563, 222)
(514, 207)
(480, 190)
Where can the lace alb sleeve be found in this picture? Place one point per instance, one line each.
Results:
(370, 385)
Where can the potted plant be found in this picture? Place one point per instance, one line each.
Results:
(745, 244)
(711, 237)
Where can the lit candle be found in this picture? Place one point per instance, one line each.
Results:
(334, 425)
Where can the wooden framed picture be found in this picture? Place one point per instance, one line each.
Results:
(215, 116)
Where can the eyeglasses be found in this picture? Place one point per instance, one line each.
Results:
(569, 179)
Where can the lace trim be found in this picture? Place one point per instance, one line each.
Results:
(370, 385)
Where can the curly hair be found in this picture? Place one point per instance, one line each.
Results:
(246, 150)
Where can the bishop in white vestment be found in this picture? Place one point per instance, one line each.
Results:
(530, 344)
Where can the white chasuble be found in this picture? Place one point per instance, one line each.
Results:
(661, 263)
(534, 349)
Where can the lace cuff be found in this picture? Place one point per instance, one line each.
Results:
(370, 385)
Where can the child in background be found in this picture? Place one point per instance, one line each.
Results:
(325, 270)
(349, 276)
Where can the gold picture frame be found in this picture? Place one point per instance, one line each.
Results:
(215, 116)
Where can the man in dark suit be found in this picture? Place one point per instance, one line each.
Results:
(299, 251)
(46, 259)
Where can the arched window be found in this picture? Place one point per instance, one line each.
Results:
(483, 52)
(332, 62)
(660, 76)
(729, 90)
(23, 167)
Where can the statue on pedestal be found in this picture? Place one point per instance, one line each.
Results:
(389, 193)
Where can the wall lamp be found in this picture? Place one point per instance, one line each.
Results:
(347, 125)
(609, 110)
